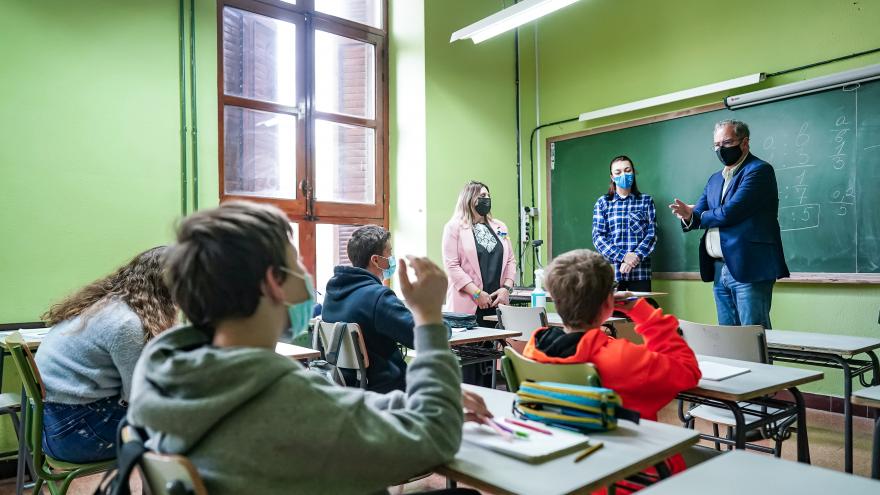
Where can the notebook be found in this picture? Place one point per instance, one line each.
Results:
(537, 448)
(717, 371)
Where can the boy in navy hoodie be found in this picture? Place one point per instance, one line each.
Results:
(356, 294)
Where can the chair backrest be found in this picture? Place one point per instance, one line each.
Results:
(32, 409)
(518, 368)
(352, 352)
(522, 319)
(746, 343)
(171, 475)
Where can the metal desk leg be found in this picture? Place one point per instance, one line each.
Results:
(22, 447)
(740, 429)
(847, 412)
(875, 380)
(494, 373)
(803, 445)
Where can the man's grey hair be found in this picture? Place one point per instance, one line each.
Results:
(740, 129)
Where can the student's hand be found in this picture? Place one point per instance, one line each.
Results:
(474, 408)
(484, 300)
(624, 305)
(683, 211)
(426, 294)
(500, 296)
(632, 259)
(625, 267)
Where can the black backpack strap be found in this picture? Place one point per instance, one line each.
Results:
(339, 330)
(128, 456)
(624, 413)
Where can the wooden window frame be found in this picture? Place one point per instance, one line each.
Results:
(306, 210)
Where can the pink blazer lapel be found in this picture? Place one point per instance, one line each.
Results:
(469, 253)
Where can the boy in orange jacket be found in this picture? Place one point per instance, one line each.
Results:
(646, 377)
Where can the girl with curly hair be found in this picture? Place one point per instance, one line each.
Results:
(87, 360)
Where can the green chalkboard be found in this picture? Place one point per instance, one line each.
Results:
(825, 148)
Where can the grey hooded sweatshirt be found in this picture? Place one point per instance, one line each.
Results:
(253, 421)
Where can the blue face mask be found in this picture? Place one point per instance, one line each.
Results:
(389, 272)
(301, 313)
(624, 181)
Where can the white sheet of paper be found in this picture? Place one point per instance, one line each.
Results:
(536, 448)
(717, 371)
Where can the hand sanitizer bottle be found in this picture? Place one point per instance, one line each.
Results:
(539, 297)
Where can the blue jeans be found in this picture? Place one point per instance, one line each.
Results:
(741, 303)
(82, 433)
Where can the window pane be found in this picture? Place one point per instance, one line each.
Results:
(345, 72)
(345, 162)
(363, 11)
(259, 153)
(331, 242)
(259, 57)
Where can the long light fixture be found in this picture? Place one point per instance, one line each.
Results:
(514, 16)
(673, 97)
(822, 83)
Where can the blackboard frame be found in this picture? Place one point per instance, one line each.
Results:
(800, 277)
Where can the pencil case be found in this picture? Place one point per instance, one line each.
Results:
(580, 407)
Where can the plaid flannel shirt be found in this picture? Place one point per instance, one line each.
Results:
(625, 225)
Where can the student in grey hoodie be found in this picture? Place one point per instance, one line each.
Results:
(253, 421)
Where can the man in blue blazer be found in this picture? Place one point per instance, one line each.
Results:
(741, 250)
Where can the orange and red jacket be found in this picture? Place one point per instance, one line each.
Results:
(646, 377)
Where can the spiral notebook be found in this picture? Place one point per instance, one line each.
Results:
(537, 447)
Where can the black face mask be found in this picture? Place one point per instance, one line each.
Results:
(730, 154)
(484, 206)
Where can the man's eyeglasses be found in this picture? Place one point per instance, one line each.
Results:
(727, 143)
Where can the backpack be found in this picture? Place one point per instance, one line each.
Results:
(578, 407)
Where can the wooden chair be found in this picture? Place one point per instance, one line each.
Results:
(518, 368)
(55, 473)
(745, 343)
(342, 345)
(171, 475)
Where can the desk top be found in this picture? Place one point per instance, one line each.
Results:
(627, 450)
(762, 379)
(555, 319)
(296, 352)
(480, 334)
(842, 345)
(867, 397)
(738, 472)
(32, 336)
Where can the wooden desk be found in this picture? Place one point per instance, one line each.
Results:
(751, 387)
(831, 351)
(296, 352)
(738, 472)
(871, 397)
(627, 450)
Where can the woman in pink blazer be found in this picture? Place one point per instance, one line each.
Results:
(478, 255)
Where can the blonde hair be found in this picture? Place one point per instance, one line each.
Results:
(464, 208)
(138, 284)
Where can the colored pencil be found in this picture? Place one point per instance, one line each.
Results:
(589, 450)
(528, 426)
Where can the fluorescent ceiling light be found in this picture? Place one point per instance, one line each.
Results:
(514, 16)
(853, 76)
(672, 97)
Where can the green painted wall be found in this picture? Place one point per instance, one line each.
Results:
(605, 52)
(90, 165)
(470, 115)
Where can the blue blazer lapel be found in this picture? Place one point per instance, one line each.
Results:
(716, 183)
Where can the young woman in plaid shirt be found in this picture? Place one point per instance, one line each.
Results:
(624, 227)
